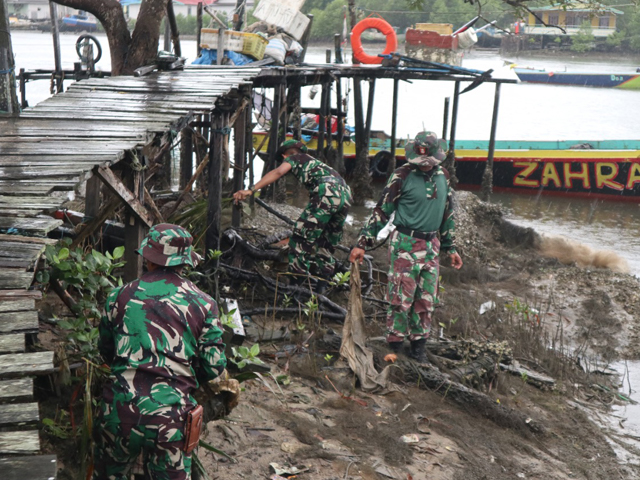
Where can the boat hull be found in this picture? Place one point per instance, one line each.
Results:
(595, 174)
(606, 80)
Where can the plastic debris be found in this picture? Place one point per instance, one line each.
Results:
(486, 306)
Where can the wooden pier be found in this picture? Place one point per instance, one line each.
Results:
(111, 130)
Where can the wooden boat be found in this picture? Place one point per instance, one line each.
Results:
(606, 169)
(629, 81)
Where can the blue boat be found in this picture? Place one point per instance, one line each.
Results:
(78, 23)
(629, 81)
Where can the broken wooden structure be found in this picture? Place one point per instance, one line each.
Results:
(110, 131)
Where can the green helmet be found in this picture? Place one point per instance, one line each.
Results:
(426, 149)
(291, 143)
(169, 245)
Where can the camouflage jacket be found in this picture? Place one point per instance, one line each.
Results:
(161, 336)
(317, 177)
(391, 198)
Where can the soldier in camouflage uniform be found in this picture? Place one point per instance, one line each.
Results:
(161, 337)
(420, 196)
(319, 228)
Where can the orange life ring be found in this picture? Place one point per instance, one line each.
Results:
(378, 24)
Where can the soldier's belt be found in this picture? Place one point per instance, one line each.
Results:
(428, 236)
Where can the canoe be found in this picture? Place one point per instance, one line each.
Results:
(629, 81)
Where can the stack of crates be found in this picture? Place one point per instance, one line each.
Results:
(249, 44)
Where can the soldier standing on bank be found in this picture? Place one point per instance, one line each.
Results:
(420, 195)
(161, 337)
(319, 228)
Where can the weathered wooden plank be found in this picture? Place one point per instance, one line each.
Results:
(38, 467)
(16, 389)
(38, 226)
(11, 278)
(22, 321)
(44, 172)
(23, 263)
(19, 414)
(117, 187)
(26, 364)
(17, 305)
(39, 190)
(20, 294)
(13, 343)
(19, 443)
(9, 248)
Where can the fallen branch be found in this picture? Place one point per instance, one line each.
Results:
(290, 310)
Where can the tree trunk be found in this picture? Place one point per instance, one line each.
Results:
(128, 51)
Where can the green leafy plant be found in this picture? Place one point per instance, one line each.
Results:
(311, 306)
(340, 279)
(242, 356)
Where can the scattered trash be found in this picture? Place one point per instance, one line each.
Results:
(423, 425)
(411, 438)
(286, 470)
(290, 447)
(486, 306)
(390, 357)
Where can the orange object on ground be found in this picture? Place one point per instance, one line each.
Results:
(390, 357)
(383, 27)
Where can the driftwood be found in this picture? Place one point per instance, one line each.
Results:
(292, 311)
(250, 249)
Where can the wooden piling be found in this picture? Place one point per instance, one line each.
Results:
(394, 123)
(445, 119)
(55, 32)
(214, 204)
(199, 12)
(322, 123)
(239, 160)
(337, 43)
(186, 157)
(450, 162)
(173, 24)
(487, 177)
(134, 228)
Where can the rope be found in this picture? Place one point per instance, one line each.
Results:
(221, 131)
(11, 70)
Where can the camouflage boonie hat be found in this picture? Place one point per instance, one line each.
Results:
(169, 245)
(287, 144)
(426, 149)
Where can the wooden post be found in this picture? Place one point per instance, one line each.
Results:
(339, 113)
(328, 55)
(199, 12)
(239, 160)
(372, 92)
(175, 35)
(337, 41)
(304, 40)
(55, 32)
(322, 123)
(450, 162)
(92, 197)
(186, 157)
(445, 120)
(487, 178)
(248, 142)
(220, 51)
(134, 228)
(214, 207)
(273, 132)
(8, 95)
(394, 121)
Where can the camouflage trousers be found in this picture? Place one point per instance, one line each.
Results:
(318, 231)
(412, 286)
(119, 444)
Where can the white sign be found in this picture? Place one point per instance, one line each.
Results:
(284, 14)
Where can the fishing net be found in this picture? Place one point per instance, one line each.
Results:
(354, 347)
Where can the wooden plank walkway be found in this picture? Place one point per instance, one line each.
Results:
(46, 152)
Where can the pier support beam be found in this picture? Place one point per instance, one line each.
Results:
(394, 122)
(487, 178)
(239, 160)
(450, 162)
(8, 94)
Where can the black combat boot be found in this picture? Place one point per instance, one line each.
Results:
(395, 346)
(418, 351)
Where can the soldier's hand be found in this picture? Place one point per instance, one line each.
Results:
(357, 255)
(240, 195)
(456, 261)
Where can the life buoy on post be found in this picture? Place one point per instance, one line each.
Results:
(383, 27)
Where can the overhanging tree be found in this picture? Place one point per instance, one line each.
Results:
(129, 50)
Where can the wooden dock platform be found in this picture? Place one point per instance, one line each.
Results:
(46, 153)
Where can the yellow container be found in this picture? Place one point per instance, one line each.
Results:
(441, 28)
(254, 45)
